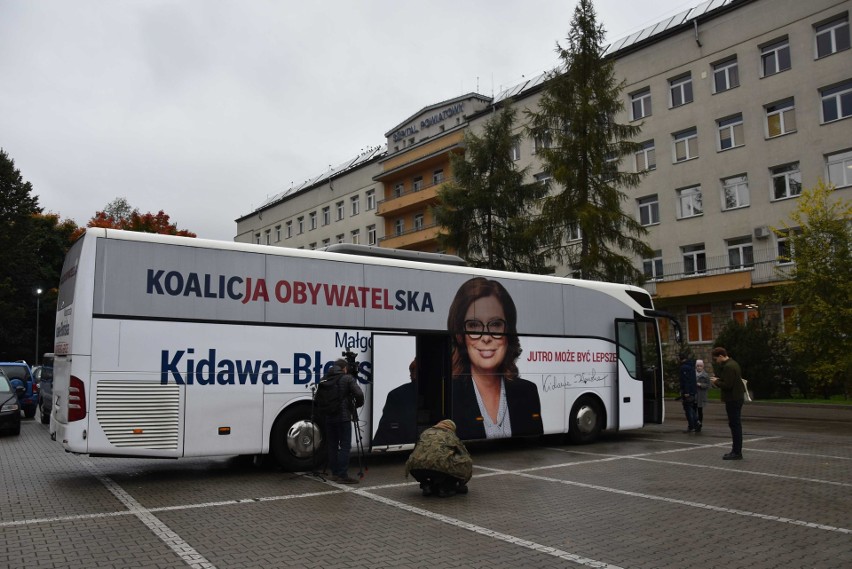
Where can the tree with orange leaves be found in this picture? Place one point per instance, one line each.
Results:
(118, 214)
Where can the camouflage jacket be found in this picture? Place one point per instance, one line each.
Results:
(441, 450)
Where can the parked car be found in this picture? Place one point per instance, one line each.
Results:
(10, 410)
(19, 375)
(43, 375)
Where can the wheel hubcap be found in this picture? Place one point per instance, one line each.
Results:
(586, 419)
(303, 439)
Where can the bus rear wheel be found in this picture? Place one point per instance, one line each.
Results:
(586, 421)
(297, 443)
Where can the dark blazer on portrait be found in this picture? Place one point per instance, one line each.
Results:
(523, 403)
(398, 424)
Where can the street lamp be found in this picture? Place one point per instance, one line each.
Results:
(38, 306)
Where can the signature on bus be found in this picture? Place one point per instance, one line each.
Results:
(553, 382)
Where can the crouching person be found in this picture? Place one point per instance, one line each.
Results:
(440, 462)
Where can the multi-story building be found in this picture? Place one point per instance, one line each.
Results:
(742, 104)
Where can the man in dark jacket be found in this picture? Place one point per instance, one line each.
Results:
(688, 391)
(730, 381)
(338, 426)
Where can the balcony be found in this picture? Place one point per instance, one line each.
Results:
(410, 200)
(719, 275)
(411, 239)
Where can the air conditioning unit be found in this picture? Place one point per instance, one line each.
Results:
(762, 232)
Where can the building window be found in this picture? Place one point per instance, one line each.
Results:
(775, 57)
(832, 36)
(312, 220)
(257, 238)
(646, 158)
(786, 181)
(543, 141)
(680, 89)
(313, 246)
(300, 221)
(371, 235)
(780, 118)
(543, 177)
(371, 200)
(836, 102)
(399, 226)
(640, 103)
(288, 230)
(789, 323)
(726, 75)
(341, 238)
(277, 233)
(653, 267)
(339, 206)
(740, 253)
(685, 145)
(649, 210)
(266, 236)
(699, 323)
(418, 222)
(573, 232)
(742, 312)
(730, 132)
(326, 215)
(418, 183)
(398, 189)
(515, 150)
(689, 202)
(326, 242)
(694, 259)
(735, 192)
(437, 177)
(784, 247)
(356, 204)
(839, 168)
(356, 236)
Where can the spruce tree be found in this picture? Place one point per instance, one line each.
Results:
(487, 211)
(581, 146)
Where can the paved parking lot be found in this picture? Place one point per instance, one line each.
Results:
(650, 498)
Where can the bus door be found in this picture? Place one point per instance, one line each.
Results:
(639, 387)
(628, 384)
(434, 372)
(410, 380)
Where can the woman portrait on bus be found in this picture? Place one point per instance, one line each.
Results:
(489, 399)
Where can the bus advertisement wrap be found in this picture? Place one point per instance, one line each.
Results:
(137, 279)
(172, 347)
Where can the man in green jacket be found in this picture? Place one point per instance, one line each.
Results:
(440, 462)
(730, 381)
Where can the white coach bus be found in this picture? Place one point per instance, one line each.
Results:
(174, 347)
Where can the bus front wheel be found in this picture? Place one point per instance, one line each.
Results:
(297, 443)
(587, 419)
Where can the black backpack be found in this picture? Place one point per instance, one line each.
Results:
(327, 399)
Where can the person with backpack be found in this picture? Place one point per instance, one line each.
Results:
(337, 397)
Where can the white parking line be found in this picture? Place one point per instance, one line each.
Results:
(527, 474)
(574, 558)
(185, 551)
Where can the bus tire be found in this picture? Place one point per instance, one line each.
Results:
(296, 443)
(587, 420)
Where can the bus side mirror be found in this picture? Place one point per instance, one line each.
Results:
(678, 333)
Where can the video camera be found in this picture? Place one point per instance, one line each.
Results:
(351, 361)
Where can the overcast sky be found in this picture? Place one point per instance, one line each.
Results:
(204, 108)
